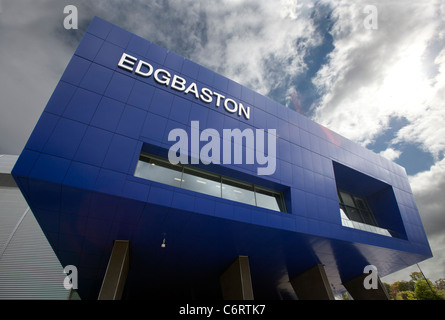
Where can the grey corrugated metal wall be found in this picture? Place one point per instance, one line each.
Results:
(29, 269)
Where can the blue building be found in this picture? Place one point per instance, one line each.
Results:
(193, 186)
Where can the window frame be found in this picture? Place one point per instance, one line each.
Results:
(355, 199)
(222, 179)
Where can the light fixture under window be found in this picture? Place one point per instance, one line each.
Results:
(163, 241)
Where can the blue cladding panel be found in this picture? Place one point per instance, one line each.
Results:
(50, 168)
(180, 110)
(190, 68)
(94, 146)
(129, 211)
(160, 196)
(141, 95)
(42, 130)
(205, 75)
(117, 158)
(110, 181)
(81, 175)
(108, 55)
(75, 201)
(119, 87)
(61, 97)
(100, 28)
(161, 103)
(131, 122)
(156, 53)
(76, 70)
(198, 114)
(136, 191)
(108, 114)
(96, 79)
(89, 46)
(154, 127)
(183, 201)
(119, 37)
(65, 138)
(24, 164)
(138, 45)
(77, 172)
(82, 106)
(174, 61)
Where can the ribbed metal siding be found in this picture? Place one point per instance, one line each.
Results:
(12, 208)
(29, 269)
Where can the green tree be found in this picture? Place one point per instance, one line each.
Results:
(440, 284)
(426, 291)
(405, 295)
(416, 276)
(417, 288)
(400, 286)
(388, 289)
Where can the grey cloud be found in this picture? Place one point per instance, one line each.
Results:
(241, 40)
(35, 49)
(33, 59)
(363, 59)
(428, 190)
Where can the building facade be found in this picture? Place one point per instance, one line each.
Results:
(201, 176)
(29, 269)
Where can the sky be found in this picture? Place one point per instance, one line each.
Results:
(372, 71)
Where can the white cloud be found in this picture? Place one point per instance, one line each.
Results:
(428, 188)
(390, 154)
(373, 75)
(254, 32)
(427, 126)
(235, 38)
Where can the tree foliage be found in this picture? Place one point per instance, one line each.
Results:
(417, 289)
(440, 284)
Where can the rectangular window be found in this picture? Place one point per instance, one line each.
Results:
(269, 200)
(346, 199)
(356, 208)
(201, 182)
(187, 177)
(355, 213)
(159, 171)
(236, 191)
